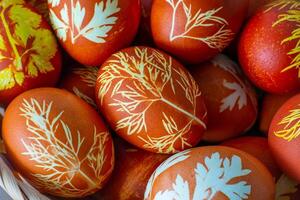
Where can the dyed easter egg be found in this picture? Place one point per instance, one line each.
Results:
(269, 47)
(214, 172)
(58, 142)
(270, 104)
(193, 30)
(284, 137)
(90, 31)
(29, 55)
(132, 171)
(230, 100)
(151, 100)
(81, 81)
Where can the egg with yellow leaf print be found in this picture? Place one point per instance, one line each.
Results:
(269, 47)
(29, 55)
(284, 137)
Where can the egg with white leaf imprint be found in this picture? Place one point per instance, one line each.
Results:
(214, 172)
(90, 31)
(194, 30)
(230, 100)
(151, 100)
(58, 142)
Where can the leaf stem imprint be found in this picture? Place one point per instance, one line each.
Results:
(215, 175)
(60, 158)
(291, 129)
(13, 43)
(218, 40)
(192, 116)
(291, 15)
(96, 30)
(149, 74)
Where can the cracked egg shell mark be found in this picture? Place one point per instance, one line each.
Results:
(90, 31)
(217, 173)
(151, 100)
(58, 142)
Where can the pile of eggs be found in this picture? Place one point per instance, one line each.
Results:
(152, 99)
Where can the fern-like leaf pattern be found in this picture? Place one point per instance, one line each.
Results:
(282, 4)
(71, 21)
(291, 15)
(211, 177)
(291, 124)
(219, 40)
(150, 74)
(58, 157)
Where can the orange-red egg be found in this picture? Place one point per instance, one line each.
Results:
(230, 100)
(132, 171)
(270, 104)
(269, 47)
(214, 172)
(151, 100)
(284, 137)
(29, 54)
(193, 30)
(90, 31)
(58, 142)
(81, 81)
